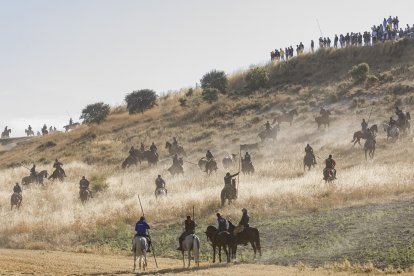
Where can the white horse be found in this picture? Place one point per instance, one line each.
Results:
(392, 132)
(191, 242)
(140, 247)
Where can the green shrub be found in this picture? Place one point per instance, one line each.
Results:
(210, 94)
(95, 113)
(256, 78)
(359, 72)
(182, 101)
(214, 79)
(189, 93)
(141, 100)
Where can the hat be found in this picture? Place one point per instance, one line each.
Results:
(244, 210)
(142, 218)
(228, 174)
(188, 217)
(330, 155)
(218, 215)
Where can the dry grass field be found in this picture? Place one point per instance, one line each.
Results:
(281, 197)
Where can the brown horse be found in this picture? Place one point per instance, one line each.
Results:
(247, 167)
(369, 148)
(269, 134)
(150, 156)
(35, 179)
(219, 239)
(179, 150)
(361, 135)
(16, 200)
(207, 166)
(229, 193)
(84, 195)
(5, 134)
(248, 235)
(286, 117)
(229, 161)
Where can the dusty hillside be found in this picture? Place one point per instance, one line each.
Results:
(280, 195)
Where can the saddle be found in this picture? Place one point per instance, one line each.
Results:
(238, 229)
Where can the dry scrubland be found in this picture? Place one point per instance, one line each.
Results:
(52, 216)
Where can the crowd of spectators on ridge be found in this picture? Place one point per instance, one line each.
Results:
(389, 29)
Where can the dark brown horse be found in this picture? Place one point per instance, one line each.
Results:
(150, 156)
(5, 134)
(220, 240)
(269, 134)
(35, 179)
(179, 150)
(248, 235)
(247, 167)
(229, 192)
(361, 135)
(207, 166)
(369, 148)
(84, 195)
(16, 200)
(286, 117)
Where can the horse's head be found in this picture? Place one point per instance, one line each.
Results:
(374, 128)
(211, 232)
(167, 145)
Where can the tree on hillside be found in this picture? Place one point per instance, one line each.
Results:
(95, 113)
(214, 79)
(256, 78)
(141, 100)
(210, 95)
(359, 72)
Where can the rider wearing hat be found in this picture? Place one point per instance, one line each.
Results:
(189, 229)
(245, 218)
(222, 223)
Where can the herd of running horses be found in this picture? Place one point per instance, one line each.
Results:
(226, 240)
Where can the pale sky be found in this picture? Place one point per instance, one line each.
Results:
(58, 56)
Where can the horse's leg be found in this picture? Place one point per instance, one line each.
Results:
(227, 253)
(219, 253)
(254, 248)
(135, 258)
(183, 259)
(189, 257)
(214, 254)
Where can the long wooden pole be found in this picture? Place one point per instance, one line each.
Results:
(152, 247)
(238, 176)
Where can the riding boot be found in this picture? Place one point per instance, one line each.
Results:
(180, 247)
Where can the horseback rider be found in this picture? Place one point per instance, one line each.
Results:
(142, 227)
(70, 121)
(44, 128)
(84, 186)
(132, 151)
(227, 180)
(330, 165)
(323, 112)
(268, 126)
(29, 128)
(209, 155)
(58, 166)
(33, 172)
(6, 129)
(189, 229)
(364, 126)
(309, 150)
(17, 189)
(176, 162)
(175, 142)
(402, 118)
(247, 158)
(392, 122)
(153, 147)
(142, 148)
(222, 223)
(244, 221)
(159, 183)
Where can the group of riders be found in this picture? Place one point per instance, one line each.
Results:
(142, 228)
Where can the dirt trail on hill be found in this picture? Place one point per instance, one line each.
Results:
(39, 262)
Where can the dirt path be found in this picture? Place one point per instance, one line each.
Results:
(19, 262)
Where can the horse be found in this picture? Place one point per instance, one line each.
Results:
(269, 134)
(84, 195)
(5, 134)
(229, 161)
(140, 247)
(328, 175)
(323, 121)
(45, 132)
(369, 148)
(229, 193)
(29, 132)
(16, 200)
(403, 123)
(361, 135)
(248, 235)
(177, 168)
(35, 179)
(191, 242)
(249, 147)
(150, 156)
(160, 192)
(393, 132)
(57, 174)
(179, 150)
(247, 167)
(71, 126)
(207, 165)
(286, 117)
(308, 161)
(219, 239)
(132, 159)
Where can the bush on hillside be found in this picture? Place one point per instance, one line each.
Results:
(371, 80)
(215, 79)
(95, 113)
(98, 183)
(359, 72)
(182, 101)
(210, 95)
(256, 78)
(141, 100)
(190, 92)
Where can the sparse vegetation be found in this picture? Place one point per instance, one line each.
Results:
(95, 113)
(359, 72)
(210, 95)
(256, 78)
(141, 100)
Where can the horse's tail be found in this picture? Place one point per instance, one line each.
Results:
(196, 249)
(353, 140)
(257, 241)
